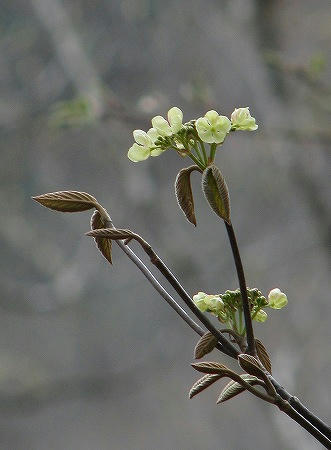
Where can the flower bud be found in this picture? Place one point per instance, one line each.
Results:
(277, 299)
(261, 316)
(199, 300)
(242, 120)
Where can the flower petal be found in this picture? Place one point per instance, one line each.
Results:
(204, 130)
(212, 116)
(175, 117)
(142, 138)
(138, 153)
(162, 126)
(153, 134)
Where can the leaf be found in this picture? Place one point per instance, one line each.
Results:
(233, 388)
(104, 245)
(263, 355)
(205, 345)
(251, 365)
(211, 367)
(111, 233)
(216, 192)
(67, 201)
(184, 194)
(202, 384)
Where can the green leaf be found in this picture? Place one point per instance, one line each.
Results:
(67, 201)
(263, 355)
(233, 388)
(202, 384)
(104, 245)
(205, 345)
(216, 192)
(184, 194)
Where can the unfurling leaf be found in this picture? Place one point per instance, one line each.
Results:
(202, 384)
(263, 355)
(67, 201)
(251, 365)
(104, 245)
(211, 367)
(111, 233)
(233, 388)
(216, 192)
(205, 345)
(184, 194)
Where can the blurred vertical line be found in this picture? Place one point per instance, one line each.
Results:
(70, 52)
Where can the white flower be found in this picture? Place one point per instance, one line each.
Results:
(277, 299)
(144, 147)
(213, 128)
(242, 120)
(165, 128)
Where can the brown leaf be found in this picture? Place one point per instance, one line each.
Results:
(233, 388)
(67, 201)
(104, 245)
(216, 192)
(205, 345)
(111, 233)
(263, 355)
(251, 365)
(202, 384)
(184, 194)
(210, 367)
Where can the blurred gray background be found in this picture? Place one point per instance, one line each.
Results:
(90, 356)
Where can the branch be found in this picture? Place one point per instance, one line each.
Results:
(243, 289)
(226, 346)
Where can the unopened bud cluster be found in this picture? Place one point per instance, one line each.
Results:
(228, 307)
(188, 138)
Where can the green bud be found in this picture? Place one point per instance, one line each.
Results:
(261, 316)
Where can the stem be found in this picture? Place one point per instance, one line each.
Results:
(301, 409)
(197, 161)
(295, 409)
(202, 145)
(240, 314)
(225, 345)
(291, 412)
(212, 152)
(243, 290)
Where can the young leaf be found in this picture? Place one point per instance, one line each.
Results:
(216, 192)
(233, 388)
(263, 355)
(67, 201)
(211, 367)
(202, 384)
(205, 345)
(184, 194)
(104, 245)
(251, 365)
(111, 233)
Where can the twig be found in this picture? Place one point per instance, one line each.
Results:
(243, 290)
(224, 345)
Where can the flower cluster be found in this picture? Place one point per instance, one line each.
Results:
(228, 308)
(189, 138)
(149, 144)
